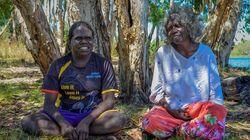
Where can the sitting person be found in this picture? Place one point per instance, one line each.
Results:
(85, 83)
(186, 88)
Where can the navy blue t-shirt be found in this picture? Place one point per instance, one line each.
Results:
(80, 88)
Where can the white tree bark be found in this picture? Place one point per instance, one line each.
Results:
(60, 23)
(90, 11)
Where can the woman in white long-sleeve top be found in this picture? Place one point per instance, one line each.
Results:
(186, 88)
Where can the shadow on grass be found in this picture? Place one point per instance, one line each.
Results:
(6, 63)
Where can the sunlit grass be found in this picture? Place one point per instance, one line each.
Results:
(20, 99)
(241, 50)
(13, 53)
(234, 72)
(21, 91)
(12, 95)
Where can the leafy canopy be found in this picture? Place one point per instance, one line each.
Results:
(6, 6)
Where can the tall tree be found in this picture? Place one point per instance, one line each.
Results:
(221, 28)
(55, 11)
(106, 8)
(156, 15)
(132, 30)
(61, 13)
(109, 15)
(90, 11)
(40, 41)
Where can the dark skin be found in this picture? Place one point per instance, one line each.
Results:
(81, 45)
(180, 39)
(182, 43)
(179, 114)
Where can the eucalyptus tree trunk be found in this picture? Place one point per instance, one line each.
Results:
(221, 29)
(40, 41)
(106, 8)
(90, 11)
(157, 40)
(14, 26)
(147, 76)
(132, 31)
(55, 12)
(46, 8)
(109, 15)
(54, 16)
(60, 12)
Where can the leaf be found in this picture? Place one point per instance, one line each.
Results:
(207, 117)
(213, 120)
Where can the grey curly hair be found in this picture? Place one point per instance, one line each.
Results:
(186, 17)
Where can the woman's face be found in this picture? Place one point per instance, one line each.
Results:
(81, 43)
(176, 32)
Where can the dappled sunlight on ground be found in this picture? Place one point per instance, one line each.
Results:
(22, 97)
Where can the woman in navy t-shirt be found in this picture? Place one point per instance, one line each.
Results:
(85, 84)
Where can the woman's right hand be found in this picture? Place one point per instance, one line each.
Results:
(179, 114)
(68, 131)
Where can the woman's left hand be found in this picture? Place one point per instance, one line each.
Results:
(83, 129)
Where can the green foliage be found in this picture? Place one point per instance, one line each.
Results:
(246, 27)
(242, 49)
(6, 6)
(9, 92)
(157, 11)
(201, 5)
(245, 15)
(153, 48)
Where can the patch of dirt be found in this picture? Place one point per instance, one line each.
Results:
(19, 80)
(20, 69)
(20, 75)
(238, 118)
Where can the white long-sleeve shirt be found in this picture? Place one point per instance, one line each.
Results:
(182, 80)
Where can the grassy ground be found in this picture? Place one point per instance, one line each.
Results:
(18, 99)
(242, 49)
(20, 81)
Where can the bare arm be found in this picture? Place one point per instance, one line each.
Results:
(106, 104)
(49, 107)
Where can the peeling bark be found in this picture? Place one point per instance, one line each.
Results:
(221, 29)
(132, 29)
(39, 39)
(90, 11)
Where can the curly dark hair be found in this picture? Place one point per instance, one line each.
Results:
(186, 17)
(71, 31)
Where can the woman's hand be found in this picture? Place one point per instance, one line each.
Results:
(83, 129)
(68, 131)
(179, 114)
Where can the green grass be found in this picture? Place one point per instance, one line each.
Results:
(14, 54)
(21, 99)
(7, 91)
(17, 101)
(241, 50)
